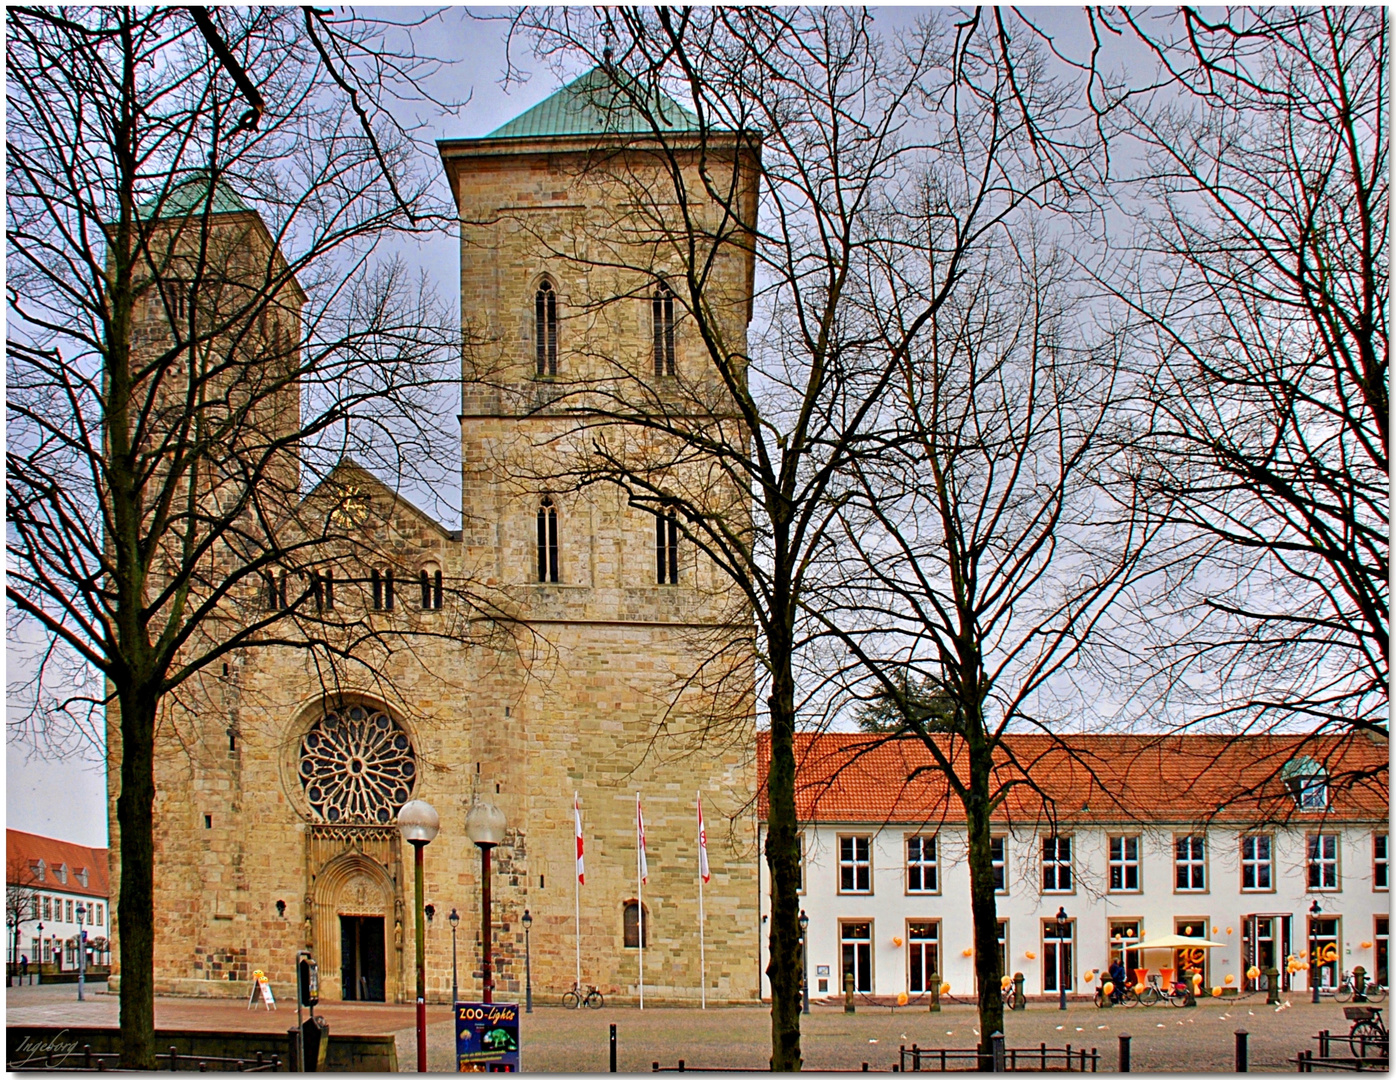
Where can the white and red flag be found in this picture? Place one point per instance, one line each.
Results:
(577, 816)
(702, 845)
(640, 831)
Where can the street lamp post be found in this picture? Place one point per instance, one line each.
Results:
(81, 912)
(804, 961)
(1314, 911)
(419, 823)
(485, 827)
(528, 963)
(1062, 923)
(39, 960)
(454, 920)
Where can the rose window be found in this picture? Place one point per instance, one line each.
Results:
(357, 767)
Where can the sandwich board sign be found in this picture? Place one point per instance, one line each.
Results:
(261, 992)
(487, 1037)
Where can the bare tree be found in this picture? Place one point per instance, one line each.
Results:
(21, 901)
(1255, 262)
(811, 148)
(198, 335)
(987, 553)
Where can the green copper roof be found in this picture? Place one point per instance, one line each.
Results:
(592, 105)
(186, 199)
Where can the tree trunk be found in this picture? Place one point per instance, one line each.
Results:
(135, 810)
(981, 892)
(782, 857)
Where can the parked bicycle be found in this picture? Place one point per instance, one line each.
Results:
(1347, 989)
(576, 999)
(1368, 1036)
(1153, 994)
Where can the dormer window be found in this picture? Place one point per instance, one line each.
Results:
(82, 877)
(545, 328)
(1307, 782)
(40, 870)
(61, 871)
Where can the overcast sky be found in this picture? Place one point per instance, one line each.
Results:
(67, 799)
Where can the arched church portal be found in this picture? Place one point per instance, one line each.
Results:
(357, 930)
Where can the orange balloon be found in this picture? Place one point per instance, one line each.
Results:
(902, 999)
(1252, 972)
(1229, 979)
(1090, 975)
(1216, 991)
(1006, 981)
(945, 988)
(1107, 988)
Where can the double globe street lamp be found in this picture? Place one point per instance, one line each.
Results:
(485, 827)
(418, 822)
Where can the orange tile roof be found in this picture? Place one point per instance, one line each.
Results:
(1079, 779)
(23, 850)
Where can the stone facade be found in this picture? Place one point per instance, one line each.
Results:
(601, 683)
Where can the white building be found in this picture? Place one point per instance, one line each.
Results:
(1265, 846)
(50, 880)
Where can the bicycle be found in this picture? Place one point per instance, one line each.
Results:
(575, 999)
(1347, 989)
(1368, 1035)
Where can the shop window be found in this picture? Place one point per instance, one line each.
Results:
(855, 940)
(923, 955)
(1057, 955)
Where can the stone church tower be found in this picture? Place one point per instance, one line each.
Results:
(590, 671)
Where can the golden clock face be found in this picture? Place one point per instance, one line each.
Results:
(352, 509)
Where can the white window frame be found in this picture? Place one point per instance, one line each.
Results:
(1252, 861)
(1193, 863)
(1001, 863)
(1326, 863)
(1124, 863)
(1058, 865)
(922, 865)
(915, 945)
(1381, 865)
(855, 864)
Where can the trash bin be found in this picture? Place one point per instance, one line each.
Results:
(317, 1043)
(316, 1035)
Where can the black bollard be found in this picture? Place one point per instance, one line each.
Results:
(996, 1042)
(613, 1048)
(1124, 1054)
(848, 991)
(1243, 1063)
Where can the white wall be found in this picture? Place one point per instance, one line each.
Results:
(1090, 903)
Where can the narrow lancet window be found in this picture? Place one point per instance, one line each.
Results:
(547, 540)
(545, 328)
(663, 331)
(666, 549)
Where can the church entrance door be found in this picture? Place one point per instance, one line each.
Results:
(363, 970)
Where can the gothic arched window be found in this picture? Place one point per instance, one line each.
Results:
(547, 540)
(636, 929)
(663, 305)
(545, 327)
(666, 549)
(357, 766)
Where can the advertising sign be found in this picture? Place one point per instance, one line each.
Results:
(487, 1037)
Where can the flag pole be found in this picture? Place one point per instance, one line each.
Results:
(702, 954)
(577, 884)
(640, 892)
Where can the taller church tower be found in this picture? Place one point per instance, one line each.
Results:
(613, 688)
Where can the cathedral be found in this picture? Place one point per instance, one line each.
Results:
(593, 681)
